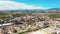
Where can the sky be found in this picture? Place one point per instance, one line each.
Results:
(43, 3)
(29, 4)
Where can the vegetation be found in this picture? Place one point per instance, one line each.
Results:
(21, 33)
(5, 16)
(29, 30)
(18, 15)
(53, 15)
(46, 25)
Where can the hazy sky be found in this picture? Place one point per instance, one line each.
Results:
(43, 3)
(29, 4)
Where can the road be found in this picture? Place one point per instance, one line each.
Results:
(6, 24)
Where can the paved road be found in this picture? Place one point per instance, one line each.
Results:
(39, 32)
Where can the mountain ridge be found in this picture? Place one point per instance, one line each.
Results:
(53, 10)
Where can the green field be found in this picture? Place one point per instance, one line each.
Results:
(53, 15)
